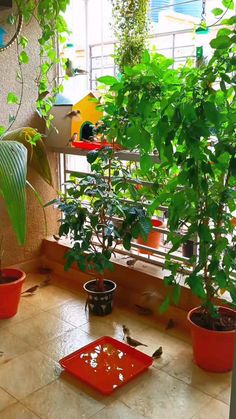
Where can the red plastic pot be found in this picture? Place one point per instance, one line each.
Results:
(154, 238)
(213, 350)
(10, 293)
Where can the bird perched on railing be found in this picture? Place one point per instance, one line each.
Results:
(73, 72)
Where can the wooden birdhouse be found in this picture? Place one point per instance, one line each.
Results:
(73, 121)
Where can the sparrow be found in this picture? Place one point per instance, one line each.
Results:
(131, 262)
(170, 324)
(143, 310)
(157, 354)
(72, 114)
(31, 290)
(42, 95)
(134, 342)
(126, 331)
(72, 72)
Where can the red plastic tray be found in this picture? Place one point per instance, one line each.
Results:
(88, 146)
(106, 364)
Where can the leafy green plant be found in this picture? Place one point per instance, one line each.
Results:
(20, 149)
(131, 30)
(189, 116)
(47, 15)
(26, 145)
(96, 219)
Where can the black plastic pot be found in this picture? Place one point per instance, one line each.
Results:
(188, 249)
(100, 303)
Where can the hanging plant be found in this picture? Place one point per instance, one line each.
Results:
(25, 145)
(131, 31)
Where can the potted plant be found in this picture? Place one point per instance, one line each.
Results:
(90, 208)
(15, 146)
(188, 114)
(24, 146)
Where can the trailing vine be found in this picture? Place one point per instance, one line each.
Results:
(131, 31)
(47, 14)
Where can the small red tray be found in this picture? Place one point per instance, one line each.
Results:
(106, 364)
(88, 146)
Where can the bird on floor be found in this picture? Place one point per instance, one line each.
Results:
(157, 354)
(126, 331)
(134, 342)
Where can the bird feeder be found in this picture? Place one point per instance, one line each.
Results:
(73, 122)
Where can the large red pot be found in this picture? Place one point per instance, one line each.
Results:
(213, 350)
(154, 238)
(10, 292)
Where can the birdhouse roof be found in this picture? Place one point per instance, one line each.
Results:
(85, 94)
(63, 100)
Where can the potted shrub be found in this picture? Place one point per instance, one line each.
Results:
(90, 208)
(178, 112)
(25, 145)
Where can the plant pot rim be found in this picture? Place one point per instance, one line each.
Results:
(225, 332)
(21, 278)
(99, 292)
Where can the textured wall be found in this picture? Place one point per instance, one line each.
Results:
(27, 117)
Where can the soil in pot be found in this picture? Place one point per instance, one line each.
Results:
(154, 238)
(100, 303)
(225, 322)
(7, 279)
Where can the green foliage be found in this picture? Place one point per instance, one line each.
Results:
(131, 30)
(89, 207)
(189, 116)
(47, 14)
(13, 158)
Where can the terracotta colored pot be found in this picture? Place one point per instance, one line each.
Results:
(213, 350)
(154, 238)
(10, 293)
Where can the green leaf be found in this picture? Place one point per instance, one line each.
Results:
(145, 226)
(12, 98)
(221, 42)
(92, 156)
(217, 11)
(107, 80)
(211, 112)
(13, 168)
(37, 154)
(126, 241)
(146, 163)
(164, 305)
(24, 41)
(176, 293)
(229, 4)
(23, 57)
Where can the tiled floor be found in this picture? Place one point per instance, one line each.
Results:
(53, 323)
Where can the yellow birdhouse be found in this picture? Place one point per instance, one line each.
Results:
(73, 121)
